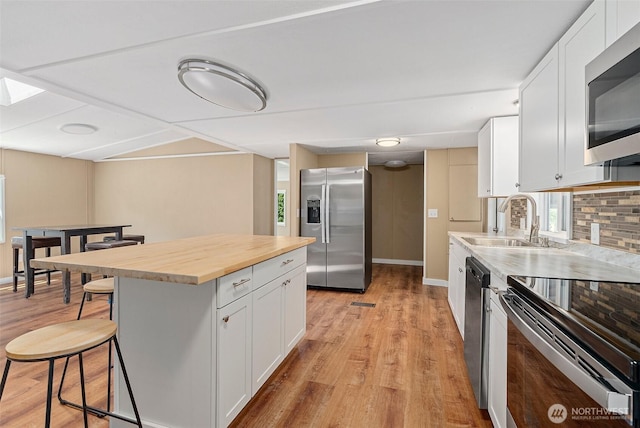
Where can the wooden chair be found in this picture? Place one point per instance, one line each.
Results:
(64, 340)
(46, 242)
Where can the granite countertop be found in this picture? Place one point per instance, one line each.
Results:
(573, 260)
(191, 261)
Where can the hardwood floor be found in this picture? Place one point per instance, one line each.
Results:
(398, 364)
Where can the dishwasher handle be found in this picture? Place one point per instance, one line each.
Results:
(611, 400)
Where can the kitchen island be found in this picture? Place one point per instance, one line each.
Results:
(203, 321)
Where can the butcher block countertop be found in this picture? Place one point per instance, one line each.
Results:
(191, 261)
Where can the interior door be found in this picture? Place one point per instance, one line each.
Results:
(345, 220)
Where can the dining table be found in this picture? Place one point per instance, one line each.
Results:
(65, 233)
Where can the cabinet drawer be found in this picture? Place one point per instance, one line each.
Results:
(235, 285)
(270, 269)
(460, 252)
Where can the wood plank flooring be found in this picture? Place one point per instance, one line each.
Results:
(398, 364)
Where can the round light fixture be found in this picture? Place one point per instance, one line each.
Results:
(395, 164)
(221, 85)
(388, 142)
(78, 128)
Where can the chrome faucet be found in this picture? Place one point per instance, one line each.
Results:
(535, 223)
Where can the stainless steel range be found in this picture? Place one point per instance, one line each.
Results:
(573, 355)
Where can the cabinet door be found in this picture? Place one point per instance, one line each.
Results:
(539, 126)
(579, 46)
(622, 15)
(504, 154)
(497, 387)
(457, 259)
(295, 308)
(464, 204)
(268, 342)
(233, 354)
(485, 160)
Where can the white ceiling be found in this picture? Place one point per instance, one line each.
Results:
(338, 74)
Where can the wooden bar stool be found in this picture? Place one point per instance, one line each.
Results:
(46, 242)
(65, 340)
(98, 286)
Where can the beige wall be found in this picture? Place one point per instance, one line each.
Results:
(180, 197)
(398, 207)
(436, 248)
(342, 160)
(43, 190)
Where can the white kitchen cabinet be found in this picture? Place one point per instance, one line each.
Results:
(279, 323)
(498, 157)
(295, 314)
(457, 271)
(268, 340)
(579, 46)
(621, 16)
(552, 110)
(234, 323)
(497, 387)
(538, 158)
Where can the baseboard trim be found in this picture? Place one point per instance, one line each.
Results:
(7, 280)
(436, 282)
(398, 262)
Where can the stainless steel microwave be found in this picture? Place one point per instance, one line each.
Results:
(613, 103)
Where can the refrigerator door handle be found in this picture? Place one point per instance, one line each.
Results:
(322, 214)
(326, 215)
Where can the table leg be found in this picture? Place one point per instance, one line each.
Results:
(65, 248)
(83, 242)
(27, 250)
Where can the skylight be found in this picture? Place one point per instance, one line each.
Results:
(12, 91)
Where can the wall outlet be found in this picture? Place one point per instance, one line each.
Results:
(432, 213)
(595, 233)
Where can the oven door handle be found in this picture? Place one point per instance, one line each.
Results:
(613, 401)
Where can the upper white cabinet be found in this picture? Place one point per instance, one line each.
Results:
(498, 157)
(621, 16)
(552, 109)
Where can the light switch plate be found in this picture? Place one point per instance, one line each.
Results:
(432, 213)
(595, 233)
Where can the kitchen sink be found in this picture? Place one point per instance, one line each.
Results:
(498, 242)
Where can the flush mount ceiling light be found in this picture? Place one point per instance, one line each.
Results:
(78, 128)
(221, 85)
(388, 142)
(395, 164)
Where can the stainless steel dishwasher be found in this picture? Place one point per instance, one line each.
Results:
(476, 328)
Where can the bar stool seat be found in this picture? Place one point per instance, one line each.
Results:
(137, 238)
(103, 245)
(46, 242)
(65, 340)
(99, 286)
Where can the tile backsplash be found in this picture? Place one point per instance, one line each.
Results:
(618, 214)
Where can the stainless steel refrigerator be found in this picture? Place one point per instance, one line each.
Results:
(336, 210)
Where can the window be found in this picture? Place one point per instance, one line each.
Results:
(554, 209)
(2, 214)
(281, 207)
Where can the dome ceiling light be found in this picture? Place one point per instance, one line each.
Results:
(388, 142)
(222, 85)
(78, 128)
(395, 164)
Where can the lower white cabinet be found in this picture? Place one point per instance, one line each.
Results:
(457, 271)
(497, 388)
(295, 313)
(234, 323)
(268, 339)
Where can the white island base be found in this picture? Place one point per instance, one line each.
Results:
(196, 355)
